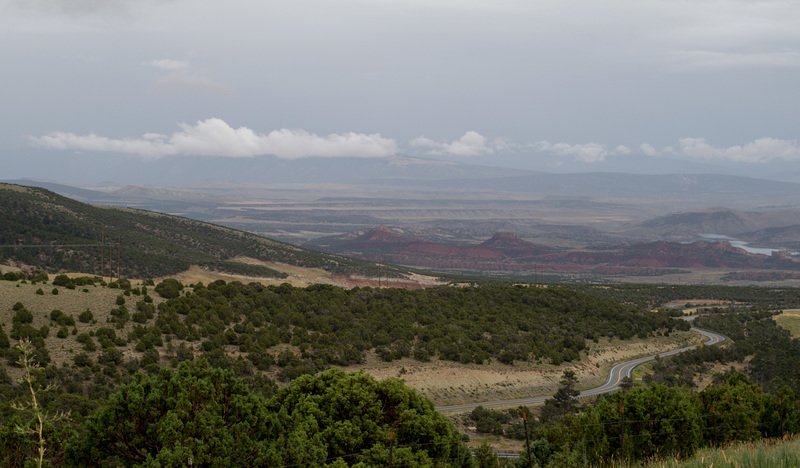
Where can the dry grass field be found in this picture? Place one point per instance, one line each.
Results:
(99, 300)
(790, 320)
(299, 277)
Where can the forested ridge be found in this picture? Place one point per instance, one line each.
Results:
(328, 325)
(335, 326)
(54, 228)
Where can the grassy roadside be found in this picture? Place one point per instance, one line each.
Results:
(766, 453)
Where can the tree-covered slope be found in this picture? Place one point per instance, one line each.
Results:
(51, 232)
(335, 326)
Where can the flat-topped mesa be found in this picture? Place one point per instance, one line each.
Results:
(382, 234)
(506, 239)
(511, 245)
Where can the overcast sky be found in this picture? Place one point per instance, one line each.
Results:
(531, 84)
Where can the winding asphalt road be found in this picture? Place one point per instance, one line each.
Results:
(615, 376)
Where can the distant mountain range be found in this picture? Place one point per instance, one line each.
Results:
(92, 167)
(778, 228)
(409, 178)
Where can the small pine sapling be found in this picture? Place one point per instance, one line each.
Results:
(40, 416)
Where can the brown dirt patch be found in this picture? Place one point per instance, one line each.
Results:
(706, 378)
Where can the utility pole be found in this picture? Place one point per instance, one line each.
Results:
(119, 256)
(102, 257)
(111, 261)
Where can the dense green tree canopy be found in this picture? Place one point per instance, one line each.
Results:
(350, 417)
(735, 407)
(207, 414)
(196, 411)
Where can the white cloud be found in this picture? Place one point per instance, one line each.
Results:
(470, 144)
(500, 144)
(757, 151)
(168, 64)
(648, 149)
(424, 142)
(587, 152)
(182, 78)
(214, 137)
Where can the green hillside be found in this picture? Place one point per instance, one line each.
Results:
(53, 233)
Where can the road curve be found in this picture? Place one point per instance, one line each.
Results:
(615, 376)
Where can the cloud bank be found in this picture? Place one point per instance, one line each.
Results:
(761, 150)
(586, 152)
(214, 137)
(470, 144)
(648, 149)
(758, 151)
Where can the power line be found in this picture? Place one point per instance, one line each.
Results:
(28, 246)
